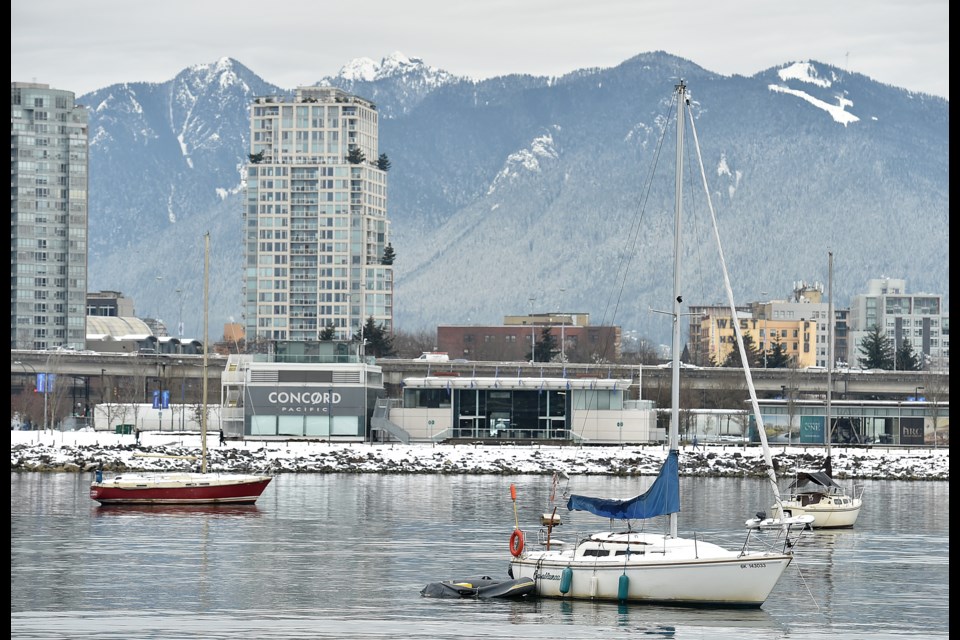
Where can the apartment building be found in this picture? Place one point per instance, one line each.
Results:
(915, 317)
(317, 253)
(48, 218)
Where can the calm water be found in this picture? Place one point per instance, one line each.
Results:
(345, 556)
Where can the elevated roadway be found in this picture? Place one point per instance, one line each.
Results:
(101, 372)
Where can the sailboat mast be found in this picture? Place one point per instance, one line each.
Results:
(828, 435)
(674, 437)
(751, 389)
(206, 294)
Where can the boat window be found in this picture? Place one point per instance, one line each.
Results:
(599, 553)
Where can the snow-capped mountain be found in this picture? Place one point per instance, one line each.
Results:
(521, 187)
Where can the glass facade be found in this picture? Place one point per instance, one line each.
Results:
(537, 414)
(854, 422)
(48, 218)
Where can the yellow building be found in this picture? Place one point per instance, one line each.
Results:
(798, 336)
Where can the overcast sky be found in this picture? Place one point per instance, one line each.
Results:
(83, 46)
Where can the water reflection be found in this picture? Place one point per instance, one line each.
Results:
(180, 510)
(345, 556)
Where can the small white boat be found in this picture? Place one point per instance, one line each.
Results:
(814, 493)
(637, 566)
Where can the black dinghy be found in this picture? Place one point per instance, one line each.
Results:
(485, 587)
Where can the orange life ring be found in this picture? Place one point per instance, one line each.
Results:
(516, 543)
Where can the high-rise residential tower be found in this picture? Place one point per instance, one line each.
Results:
(48, 218)
(316, 234)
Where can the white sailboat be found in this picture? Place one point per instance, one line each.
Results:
(814, 493)
(640, 566)
(183, 487)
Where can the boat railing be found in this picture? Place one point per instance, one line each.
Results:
(546, 534)
(786, 530)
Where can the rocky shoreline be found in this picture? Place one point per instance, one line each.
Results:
(56, 452)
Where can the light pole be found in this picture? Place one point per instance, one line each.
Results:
(180, 313)
(533, 337)
(47, 381)
(563, 325)
(183, 375)
(157, 300)
(763, 294)
(363, 365)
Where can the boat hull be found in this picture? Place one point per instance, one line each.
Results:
(180, 488)
(827, 514)
(677, 572)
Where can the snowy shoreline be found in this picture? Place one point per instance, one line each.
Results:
(83, 451)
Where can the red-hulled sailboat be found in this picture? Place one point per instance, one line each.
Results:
(181, 487)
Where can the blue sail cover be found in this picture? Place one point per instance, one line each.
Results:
(661, 498)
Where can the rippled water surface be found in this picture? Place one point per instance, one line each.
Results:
(345, 556)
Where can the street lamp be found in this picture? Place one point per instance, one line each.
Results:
(179, 292)
(361, 321)
(763, 294)
(183, 402)
(533, 337)
(47, 378)
(157, 301)
(563, 325)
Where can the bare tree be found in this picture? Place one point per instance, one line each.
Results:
(411, 345)
(936, 389)
(27, 405)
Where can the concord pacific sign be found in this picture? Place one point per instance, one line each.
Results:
(304, 398)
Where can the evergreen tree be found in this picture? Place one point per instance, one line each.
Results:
(907, 359)
(328, 332)
(379, 342)
(754, 358)
(388, 255)
(777, 357)
(356, 156)
(256, 158)
(546, 348)
(876, 350)
(383, 162)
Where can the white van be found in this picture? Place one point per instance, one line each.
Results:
(434, 356)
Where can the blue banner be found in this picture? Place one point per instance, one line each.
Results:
(45, 382)
(156, 398)
(165, 399)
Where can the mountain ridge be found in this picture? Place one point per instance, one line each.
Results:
(520, 187)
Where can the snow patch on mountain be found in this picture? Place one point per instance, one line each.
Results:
(528, 160)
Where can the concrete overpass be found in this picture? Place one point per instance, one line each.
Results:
(98, 375)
